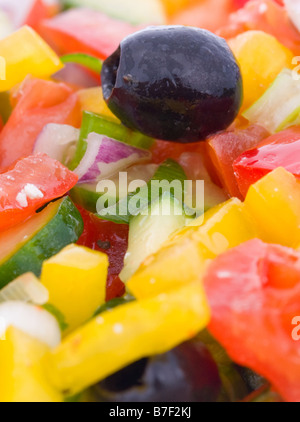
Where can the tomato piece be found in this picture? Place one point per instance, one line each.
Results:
(254, 294)
(207, 14)
(238, 4)
(226, 146)
(279, 150)
(267, 16)
(31, 183)
(85, 31)
(162, 150)
(26, 12)
(38, 103)
(111, 239)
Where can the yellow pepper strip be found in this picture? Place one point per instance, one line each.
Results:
(274, 202)
(25, 52)
(261, 58)
(185, 256)
(22, 377)
(125, 334)
(91, 99)
(76, 281)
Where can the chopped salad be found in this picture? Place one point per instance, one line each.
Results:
(150, 201)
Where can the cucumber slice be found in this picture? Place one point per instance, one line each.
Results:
(122, 211)
(133, 11)
(87, 195)
(279, 107)
(148, 232)
(24, 247)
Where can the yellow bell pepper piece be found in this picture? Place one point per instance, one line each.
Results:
(124, 335)
(261, 58)
(274, 202)
(25, 52)
(22, 377)
(76, 281)
(91, 99)
(175, 6)
(185, 256)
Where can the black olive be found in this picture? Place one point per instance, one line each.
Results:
(173, 83)
(185, 374)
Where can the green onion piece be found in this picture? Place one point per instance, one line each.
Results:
(57, 314)
(92, 122)
(91, 62)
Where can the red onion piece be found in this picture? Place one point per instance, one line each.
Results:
(106, 156)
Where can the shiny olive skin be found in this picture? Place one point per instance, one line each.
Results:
(173, 83)
(185, 374)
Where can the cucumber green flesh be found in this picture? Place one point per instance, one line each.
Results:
(86, 196)
(92, 122)
(147, 233)
(121, 214)
(63, 225)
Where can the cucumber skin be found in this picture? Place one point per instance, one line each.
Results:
(84, 198)
(64, 228)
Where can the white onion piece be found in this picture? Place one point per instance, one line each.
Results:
(26, 288)
(6, 25)
(55, 140)
(293, 9)
(106, 156)
(17, 15)
(30, 319)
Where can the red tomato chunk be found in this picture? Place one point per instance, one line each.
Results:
(32, 183)
(254, 294)
(39, 102)
(280, 150)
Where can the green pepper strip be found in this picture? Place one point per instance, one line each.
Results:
(91, 62)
